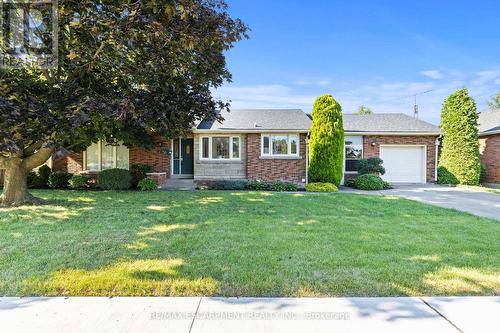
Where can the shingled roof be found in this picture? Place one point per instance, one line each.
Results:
(296, 120)
(387, 123)
(489, 122)
(259, 120)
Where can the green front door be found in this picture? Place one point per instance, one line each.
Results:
(183, 157)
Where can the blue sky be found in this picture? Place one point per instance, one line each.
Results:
(374, 53)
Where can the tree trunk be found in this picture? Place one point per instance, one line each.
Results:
(15, 187)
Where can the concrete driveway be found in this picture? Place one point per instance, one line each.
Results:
(477, 202)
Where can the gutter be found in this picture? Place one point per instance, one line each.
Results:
(489, 133)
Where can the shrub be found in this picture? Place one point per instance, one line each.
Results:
(387, 186)
(326, 147)
(147, 184)
(114, 179)
(371, 165)
(369, 182)
(484, 174)
(59, 179)
(79, 181)
(32, 178)
(139, 172)
(39, 178)
(278, 186)
(44, 173)
(350, 182)
(321, 187)
(224, 185)
(459, 159)
(258, 185)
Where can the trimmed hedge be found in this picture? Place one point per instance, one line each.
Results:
(79, 182)
(326, 145)
(147, 184)
(114, 179)
(59, 179)
(459, 160)
(224, 185)
(321, 187)
(252, 185)
(369, 182)
(276, 186)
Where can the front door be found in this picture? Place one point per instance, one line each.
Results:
(183, 158)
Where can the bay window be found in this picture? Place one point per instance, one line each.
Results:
(280, 145)
(101, 156)
(353, 153)
(220, 148)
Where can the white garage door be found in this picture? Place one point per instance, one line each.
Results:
(403, 164)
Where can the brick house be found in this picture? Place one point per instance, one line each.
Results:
(489, 144)
(270, 145)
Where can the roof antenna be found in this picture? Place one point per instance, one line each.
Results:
(415, 105)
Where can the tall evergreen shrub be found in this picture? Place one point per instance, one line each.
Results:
(459, 160)
(326, 147)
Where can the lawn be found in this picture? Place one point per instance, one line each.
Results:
(244, 244)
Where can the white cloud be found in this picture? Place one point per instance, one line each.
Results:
(433, 74)
(381, 96)
(321, 83)
(262, 96)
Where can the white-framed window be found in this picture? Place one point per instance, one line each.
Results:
(102, 155)
(220, 147)
(353, 153)
(280, 145)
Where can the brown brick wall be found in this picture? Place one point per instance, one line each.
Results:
(371, 147)
(72, 162)
(489, 147)
(293, 170)
(156, 157)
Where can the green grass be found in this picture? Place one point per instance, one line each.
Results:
(244, 244)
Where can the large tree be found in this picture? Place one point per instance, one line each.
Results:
(364, 110)
(459, 159)
(326, 147)
(494, 103)
(127, 71)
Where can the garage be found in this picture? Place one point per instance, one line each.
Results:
(404, 163)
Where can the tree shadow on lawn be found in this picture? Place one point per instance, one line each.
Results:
(233, 244)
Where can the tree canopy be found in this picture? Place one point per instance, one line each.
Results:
(364, 110)
(494, 103)
(127, 71)
(326, 147)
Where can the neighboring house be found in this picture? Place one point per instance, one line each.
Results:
(489, 144)
(271, 145)
(407, 146)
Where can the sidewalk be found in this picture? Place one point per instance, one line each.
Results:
(209, 314)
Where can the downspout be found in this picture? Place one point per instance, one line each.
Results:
(436, 158)
(307, 158)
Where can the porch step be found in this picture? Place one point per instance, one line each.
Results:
(174, 184)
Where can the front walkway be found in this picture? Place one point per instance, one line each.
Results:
(470, 200)
(201, 314)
